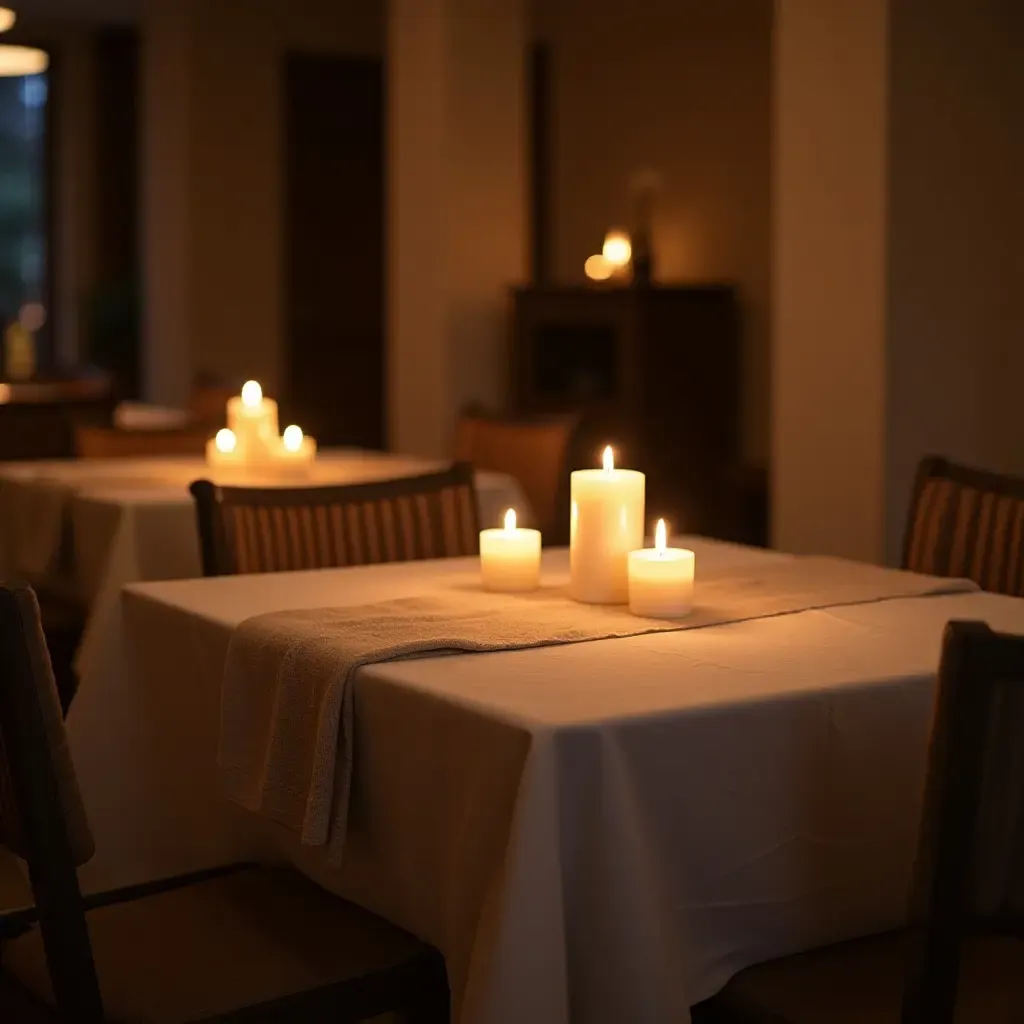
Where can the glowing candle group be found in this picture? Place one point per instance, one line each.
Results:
(251, 438)
(606, 524)
(661, 579)
(510, 557)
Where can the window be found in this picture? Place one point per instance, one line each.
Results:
(24, 237)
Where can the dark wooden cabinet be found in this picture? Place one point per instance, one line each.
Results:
(653, 371)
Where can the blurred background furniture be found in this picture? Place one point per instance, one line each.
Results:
(115, 443)
(654, 371)
(535, 451)
(38, 418)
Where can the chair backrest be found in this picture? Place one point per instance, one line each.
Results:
(248, 530)
(535, 452)
(966, 522)
(42, 818)
(970, 864)
(114, 443)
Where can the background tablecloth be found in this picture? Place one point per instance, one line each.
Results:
(89, 527)
(687, 804)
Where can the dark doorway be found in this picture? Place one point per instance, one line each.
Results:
(334, 248)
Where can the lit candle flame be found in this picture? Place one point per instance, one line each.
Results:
(225, 440)
(510, 520)
(660, 537)
(292, 438)
(252, 394)
(608, 459)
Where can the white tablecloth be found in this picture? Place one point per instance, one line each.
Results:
(689, 803)
(92, 526)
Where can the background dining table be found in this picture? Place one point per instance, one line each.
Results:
(598, 832)
(87, 527)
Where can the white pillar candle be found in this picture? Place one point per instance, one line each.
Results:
(510, 557)
(661, 579)
(253, 419)
(606, 523)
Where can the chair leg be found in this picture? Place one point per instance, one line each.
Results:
(431, 998)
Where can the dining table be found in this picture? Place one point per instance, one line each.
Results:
(84, 528)
(596, 832)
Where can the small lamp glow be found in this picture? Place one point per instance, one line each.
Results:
(597, 268)
(608, 459)
(252, 394)
(660, 537)
(225, 440)
(292, 438)
(18, 61)
(7, 19)
(617, 249)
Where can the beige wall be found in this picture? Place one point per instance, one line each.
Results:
(897, 258)
(457, 209)
(828, 367)
(683, 87)
(213, 178)
(956, 320)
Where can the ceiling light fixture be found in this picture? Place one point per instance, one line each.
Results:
(17, 61)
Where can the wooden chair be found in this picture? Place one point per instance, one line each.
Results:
(247, 529)
(962, 958)
(113, 443)
(535, 452)
(966, 522)
(238, 943)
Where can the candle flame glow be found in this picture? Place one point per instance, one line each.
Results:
(225, 440)
(252, 394)
(608, 459)
(660, 537)
(292, 438)
(510, 520)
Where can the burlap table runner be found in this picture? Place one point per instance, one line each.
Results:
(286, 707)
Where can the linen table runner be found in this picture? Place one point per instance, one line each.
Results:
(287, 707)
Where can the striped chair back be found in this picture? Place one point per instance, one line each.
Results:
(966, 522)
(253, 530)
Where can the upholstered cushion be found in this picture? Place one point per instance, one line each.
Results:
(235, 941)
(40, 690)
(861, 982)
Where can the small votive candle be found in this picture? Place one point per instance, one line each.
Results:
(661, 579)
(510, 557)
(297, 452)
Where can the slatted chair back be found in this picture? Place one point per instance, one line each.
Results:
(255, 530)
(966, 522)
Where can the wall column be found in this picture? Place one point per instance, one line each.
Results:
(211, 193)
(457, 208)
(896, 248)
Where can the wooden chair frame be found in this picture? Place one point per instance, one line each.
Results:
(975, 662)
(60, 909)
